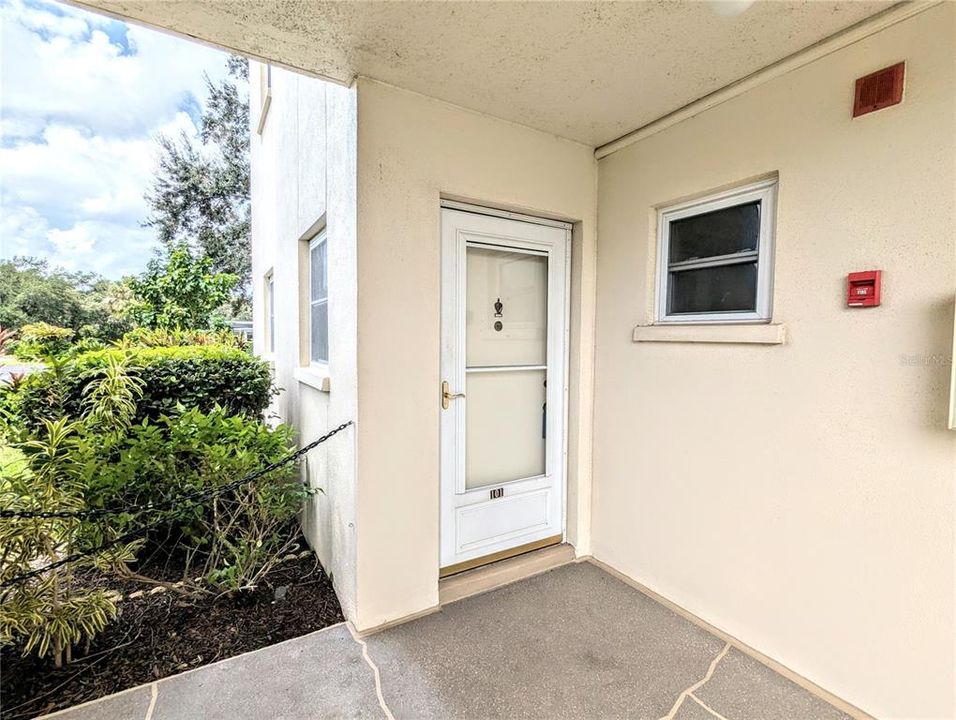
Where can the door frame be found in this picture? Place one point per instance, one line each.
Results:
(451, 326)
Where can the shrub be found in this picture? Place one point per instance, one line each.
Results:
(235, 538)
(49, 470)
(200, 377)
(243, 533)
(180, 291)
(85, 345)
(40, 341)
(146, 337)
(102, 459)
(232, 540)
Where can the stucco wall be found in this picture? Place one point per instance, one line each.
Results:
(800, 497)
(412, 150)
(303, 174)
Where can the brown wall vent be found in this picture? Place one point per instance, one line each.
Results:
(878, 90)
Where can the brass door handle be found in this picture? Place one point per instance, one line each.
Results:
(447, 395)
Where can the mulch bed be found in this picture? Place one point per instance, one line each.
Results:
(162, 634)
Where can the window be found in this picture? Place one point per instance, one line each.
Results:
(318, 301)
(715, 257)
(270, 312)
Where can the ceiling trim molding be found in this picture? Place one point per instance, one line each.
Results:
(854, 33)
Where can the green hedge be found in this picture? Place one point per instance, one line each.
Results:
(200, 377)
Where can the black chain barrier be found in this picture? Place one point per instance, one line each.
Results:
(195, 498)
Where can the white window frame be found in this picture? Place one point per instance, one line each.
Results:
(319, 239)
(766, 192)
(265, 95)
(270, 293)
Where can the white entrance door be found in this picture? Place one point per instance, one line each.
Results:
(504, 386)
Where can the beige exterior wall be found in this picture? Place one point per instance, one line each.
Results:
(303, 177)
(412, 151)
(799, 496)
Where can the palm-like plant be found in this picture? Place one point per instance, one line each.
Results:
(110, 401)
(52, 612)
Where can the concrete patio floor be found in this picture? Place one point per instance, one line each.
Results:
(574, 642)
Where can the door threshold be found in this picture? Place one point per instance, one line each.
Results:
(461, 567)
(467, 583)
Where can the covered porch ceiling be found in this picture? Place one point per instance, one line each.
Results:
(587, 71)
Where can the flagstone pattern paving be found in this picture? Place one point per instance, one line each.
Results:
(570, 643)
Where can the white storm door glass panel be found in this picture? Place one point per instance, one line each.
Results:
(506, 350)
(506, 281)
(504, 326)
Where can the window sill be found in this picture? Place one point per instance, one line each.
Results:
(757, 334)
(314, 378)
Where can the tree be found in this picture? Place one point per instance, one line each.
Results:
(201, 193)
(180, 293)
(32, 292)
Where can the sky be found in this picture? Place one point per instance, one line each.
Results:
(82, 99)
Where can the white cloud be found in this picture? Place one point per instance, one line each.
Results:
(66, 24)
(72, 242)
(82, 98)
(21, 229)
(103, 246)
(69, 170)
(128, 84)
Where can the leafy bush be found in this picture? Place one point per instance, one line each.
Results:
(85, 345)
(180, 291)
(160, 337)
(200, 377)
(234, 539)
(49, 470)
(40, 341)
(104, 460)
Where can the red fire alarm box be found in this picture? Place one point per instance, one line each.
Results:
(863, 288)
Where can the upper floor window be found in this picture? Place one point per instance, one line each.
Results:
(318, 300)
(715, 257)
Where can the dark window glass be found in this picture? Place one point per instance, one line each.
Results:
(721, 232)
(726, 288)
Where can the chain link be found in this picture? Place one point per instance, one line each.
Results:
(194, 499)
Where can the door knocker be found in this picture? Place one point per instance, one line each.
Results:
(498, 308)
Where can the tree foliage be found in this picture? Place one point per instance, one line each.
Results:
(32, 292)
(200, 195)
(180, 292)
